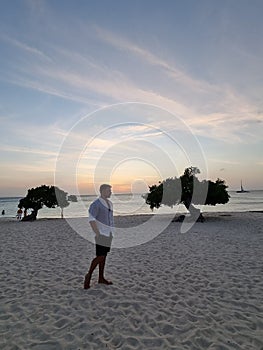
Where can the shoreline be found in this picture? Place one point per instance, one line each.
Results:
(206, 214)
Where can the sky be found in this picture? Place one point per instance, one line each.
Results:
(129, 92)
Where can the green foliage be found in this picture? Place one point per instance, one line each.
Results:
(72, 198)
(50, 196)
(217, 193)
(187, 190)
(61, 197)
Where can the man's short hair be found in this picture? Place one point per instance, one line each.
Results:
(104, 187)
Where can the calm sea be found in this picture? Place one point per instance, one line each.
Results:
(132, 204)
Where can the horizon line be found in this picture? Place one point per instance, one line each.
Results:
(117, 193)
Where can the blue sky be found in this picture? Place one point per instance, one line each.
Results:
(199, 62)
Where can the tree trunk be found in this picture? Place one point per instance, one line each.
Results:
(194, 212)
(31, 217)
(34, 214)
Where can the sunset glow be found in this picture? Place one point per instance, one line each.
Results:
(129, 93)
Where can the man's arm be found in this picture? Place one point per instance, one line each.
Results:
(93, 212)
(94, 227)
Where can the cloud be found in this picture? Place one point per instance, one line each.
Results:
(26, 168)
(58, 81)
(223, 125)
(179, 75)
(213, 111)
(16, 149)
(224, 161)
(49, 88)
(26, 48)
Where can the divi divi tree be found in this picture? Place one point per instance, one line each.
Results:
(36, 198)
(188, 190)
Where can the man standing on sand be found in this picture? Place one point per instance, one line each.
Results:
(101, 221)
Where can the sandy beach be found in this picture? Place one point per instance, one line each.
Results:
(202, 289)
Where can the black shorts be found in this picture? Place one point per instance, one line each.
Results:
(101, 250)
(103, 245)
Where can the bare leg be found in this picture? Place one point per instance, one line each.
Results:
(101, 268)
(101, 271)
(93, 266)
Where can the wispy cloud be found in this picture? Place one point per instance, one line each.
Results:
(5, 148)
(139, 132)
(25, 47)
(77, 77)
(179, 75)
(31, 169)
(224, 161)
(55, 80)
(50, 89)
(123, 89)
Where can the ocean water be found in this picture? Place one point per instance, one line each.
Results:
(133, 204)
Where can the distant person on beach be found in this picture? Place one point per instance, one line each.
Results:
(3, 212)
(101, 221)
(19, 214)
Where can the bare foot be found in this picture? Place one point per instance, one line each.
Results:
(105, 281)
(87, 281)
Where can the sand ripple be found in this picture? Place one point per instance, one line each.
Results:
(198, 290)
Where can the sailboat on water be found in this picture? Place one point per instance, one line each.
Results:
(242, 189)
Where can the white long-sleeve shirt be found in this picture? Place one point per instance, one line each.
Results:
(101, 211)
